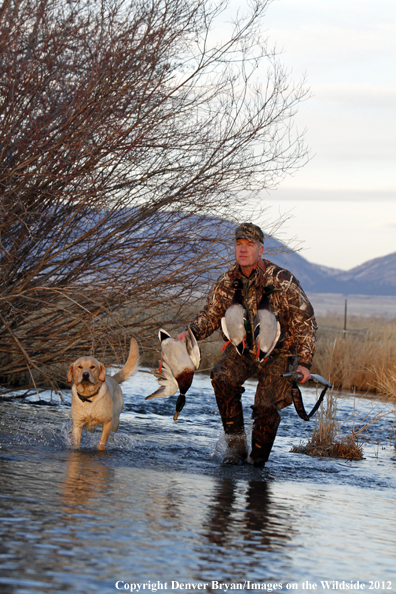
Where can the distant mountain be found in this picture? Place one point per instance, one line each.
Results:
(376, 277)
(380, 271)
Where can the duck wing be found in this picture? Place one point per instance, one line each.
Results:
(193, 349)
(233, 326)
(275, 340)
(224, 328)
(163, 335)
(178, 362)
(266, 332)
(168, 383)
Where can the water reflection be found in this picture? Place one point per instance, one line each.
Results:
(246, 525)
(246, 511)
(157, 505)
(86, 482)
(165, 506)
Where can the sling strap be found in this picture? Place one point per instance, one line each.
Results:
(299, 404)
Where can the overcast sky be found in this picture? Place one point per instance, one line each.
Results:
(343, 202)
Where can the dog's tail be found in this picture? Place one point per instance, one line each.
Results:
(131, 364)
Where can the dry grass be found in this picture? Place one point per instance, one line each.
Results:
(386, 382)
(327, 440)
(358, 360)
(331, 439)
(362, 359)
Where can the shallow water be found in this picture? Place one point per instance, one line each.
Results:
(158, 510)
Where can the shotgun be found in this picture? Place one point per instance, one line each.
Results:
(318, 379)
(297, 396)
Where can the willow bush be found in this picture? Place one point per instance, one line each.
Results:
(127, 129)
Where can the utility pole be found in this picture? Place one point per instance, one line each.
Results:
(345, 318)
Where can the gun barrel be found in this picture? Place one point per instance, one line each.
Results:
(294, 375)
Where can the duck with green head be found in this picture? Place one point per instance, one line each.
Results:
(179, 360)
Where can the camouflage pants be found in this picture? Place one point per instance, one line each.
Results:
(273, 393)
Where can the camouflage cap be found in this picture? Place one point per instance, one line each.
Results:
(249, 231)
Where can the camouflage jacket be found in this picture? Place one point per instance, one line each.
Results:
(288, 301)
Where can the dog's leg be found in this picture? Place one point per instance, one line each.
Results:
(76, 435)
(106, 428)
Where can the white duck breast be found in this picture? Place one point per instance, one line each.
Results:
(267, 329)
(233, 323)
(179, 360)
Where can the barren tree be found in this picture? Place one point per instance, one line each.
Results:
(129, 133)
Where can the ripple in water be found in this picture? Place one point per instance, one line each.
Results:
(158, 505)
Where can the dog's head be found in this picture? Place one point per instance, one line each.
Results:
(87, 374)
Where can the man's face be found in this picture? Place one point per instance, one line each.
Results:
(247, 252)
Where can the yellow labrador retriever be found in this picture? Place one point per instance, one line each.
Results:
(97, 398)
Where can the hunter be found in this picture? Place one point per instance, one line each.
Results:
(253, 276)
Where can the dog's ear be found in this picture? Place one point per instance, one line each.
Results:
(70, 373)
(102, 372)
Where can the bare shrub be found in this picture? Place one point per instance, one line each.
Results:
(125, 126)
(327, 440)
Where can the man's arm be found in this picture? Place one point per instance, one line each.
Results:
(299, 316)
(208, 320)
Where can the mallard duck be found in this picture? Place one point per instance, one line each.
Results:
(233, 323)
(179, 360)
(266, 329)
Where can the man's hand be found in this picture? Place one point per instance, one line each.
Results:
(305, 374)
(182, 336)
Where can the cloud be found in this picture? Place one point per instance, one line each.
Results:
(331, 43)
(330, 195)
(376, 95)
(386, 224)
(339, 232)
(336, 40)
